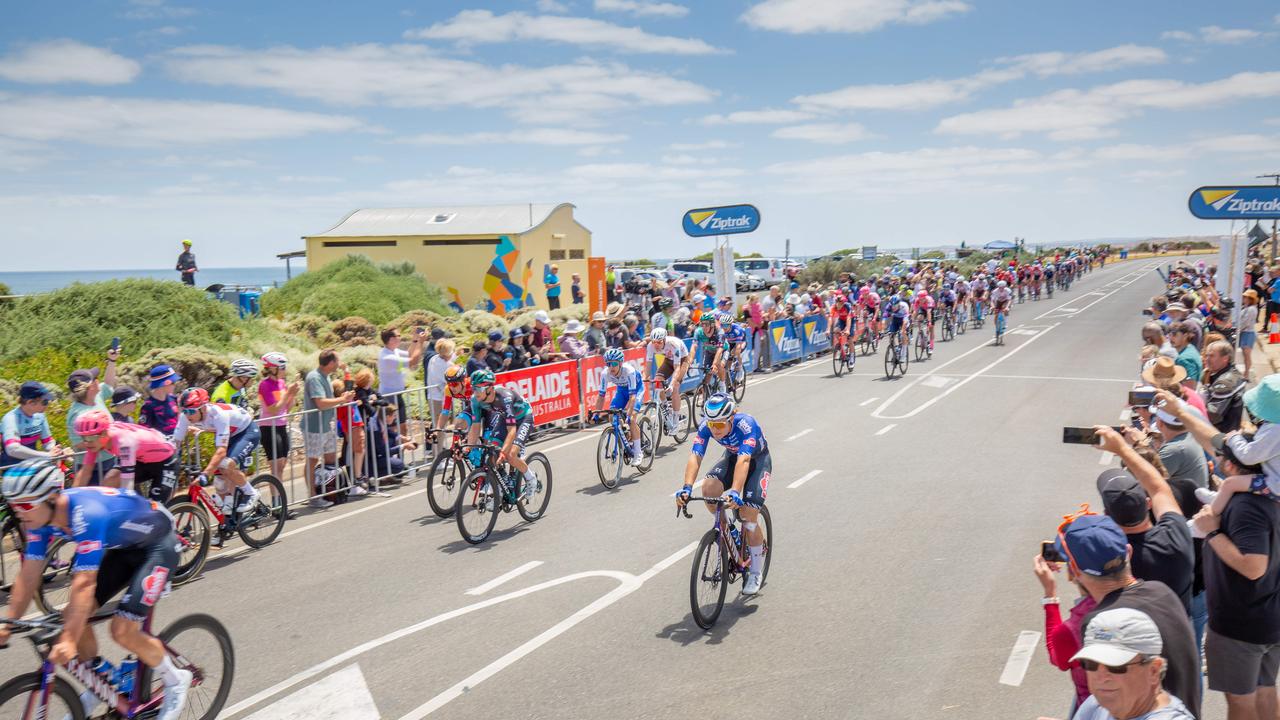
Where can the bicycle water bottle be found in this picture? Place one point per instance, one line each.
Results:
(105, 669)
(124, 674)
(733, 532)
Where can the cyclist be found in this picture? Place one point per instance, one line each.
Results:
(1036, 276)
(923, 305)
(123, 542)
(628, 394)
(144, 455)
(232, 391)
(1050, 269)
(235, 437)
(838, 319)
(979, 289)
(869, 307)
(670, 360)
(961, 287)
(709, 346)
(503, 407)
(1000, 299)
(947, 297)
(25, 430)
(735, 335)
(742, 474)
(899, 313)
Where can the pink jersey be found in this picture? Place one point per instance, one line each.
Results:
(869, 298)
(134, 444)
(923, 301)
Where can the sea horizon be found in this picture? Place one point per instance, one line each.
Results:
(42, 281)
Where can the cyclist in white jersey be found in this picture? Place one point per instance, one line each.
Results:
(235, 437)
(670, 360)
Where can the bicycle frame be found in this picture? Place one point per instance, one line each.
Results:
(737, 551)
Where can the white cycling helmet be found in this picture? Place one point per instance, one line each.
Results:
(243, 368)
(32, 481)
(1002, 284)
(658, 334)
(719, 407)
(274, 359)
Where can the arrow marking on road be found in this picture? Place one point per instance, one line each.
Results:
(799, 435)
(806, 478)
(505, 577)
(936, 381)
(343, 695)
(1019, 658)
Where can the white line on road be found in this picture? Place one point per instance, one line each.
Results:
(806, 478)
(482, 589)
(1019, 658)
(343, 695)
(886, 428)
(799, 435)
(867, 402)
(1055, 377)
(1105, 458)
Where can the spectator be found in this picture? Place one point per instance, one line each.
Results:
(1153, 334)
(1273, 294)
(771, 308)
(632, 324)
(277, 397)
(350, 417)
(440, 361)
(611, 284)
(1099, 555)
(515, 355)
(572, 346)
(595, 338)
(124, 404)
(1180, 454)
(1248, 330)
(387, 458)
(1223, 387)
(497, 359)
(575, 289)
(665, 317)
(160, 409)
(394, 367)
(478, 359)
(1166, 374)
(318, 437)
(25, 429)
(541, 336)
(684, 328)
(1063, 638)
(89, 394)
(1263, 403)
(616, 335)
(429, 350)
(187, 264)
(1123, 651)
(552, 281)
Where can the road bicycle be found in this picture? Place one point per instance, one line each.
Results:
(709, 385)
(922, 340)
(1000, 324)
(978, 318)
(663, 415)
(961, 318)
(896, 357)
(614, 449)
(494, 485)
(948, 324)
(843, 355)
(448, 472)
(198, 643)
(1048, 286)
(869, 339)
(737, 376)
(720, 559)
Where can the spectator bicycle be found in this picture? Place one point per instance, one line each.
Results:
(896, 357)
(494, 485)
(198, 643)
(613, 452)
(663, 415)
(843, 355)
(720, 559)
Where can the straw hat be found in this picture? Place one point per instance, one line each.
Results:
(1163, 372)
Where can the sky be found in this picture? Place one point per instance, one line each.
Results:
(128, 125)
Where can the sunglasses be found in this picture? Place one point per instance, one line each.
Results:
(23, 507)
(613, 364)
(190, 411)
(718, 424)
(1094, 666)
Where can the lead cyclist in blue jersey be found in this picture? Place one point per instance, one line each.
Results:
(745, 462)
(123, 542)
(735, 334)
(628, 395)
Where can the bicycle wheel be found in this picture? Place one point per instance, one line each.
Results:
(906, 361)
(837, 360)
(648, 444)
(262, 523)
(444, 480)
(12, 544)
(651, 411)
(201, 644)
(709, 581)
(478, 505)
(191, 525)
(535, 506)
(55, 581)
(739, 380)
(889, 360)
(699, 402)
(609, 459)
(766, 524)
(921, 343)
(21, 695)
(682, 426)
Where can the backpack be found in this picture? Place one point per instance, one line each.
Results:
(330, 478)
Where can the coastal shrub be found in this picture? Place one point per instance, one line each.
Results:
(355, 286)
(479, 321)
(414, 319)
(312, 327)
(197, 366)
(352, 331)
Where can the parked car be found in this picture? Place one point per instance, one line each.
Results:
(770, 270)
(698, 270)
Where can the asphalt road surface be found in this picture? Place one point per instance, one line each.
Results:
(905, 513)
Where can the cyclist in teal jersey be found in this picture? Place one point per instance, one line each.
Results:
(496, 407)
(710, 345)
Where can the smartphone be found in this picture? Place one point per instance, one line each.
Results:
(1049, 553)
(1082, 436)
(1141, 398)
(1147, 312)
(420, 331)
(1136, 422)
(348, 385)
(115, 343)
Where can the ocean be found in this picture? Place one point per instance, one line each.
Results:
(26, 283)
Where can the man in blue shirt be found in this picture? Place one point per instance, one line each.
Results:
(552, 281)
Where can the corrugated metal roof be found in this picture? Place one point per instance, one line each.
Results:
(444, 220)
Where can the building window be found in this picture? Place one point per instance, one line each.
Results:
(578, 254)
(557, 254)
(359, 243)
(429, 243)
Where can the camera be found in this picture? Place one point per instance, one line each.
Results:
(1049, 553)
(382, 403)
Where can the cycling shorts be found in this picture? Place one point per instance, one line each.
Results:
(895, 324)
(523, 427)
(622, 397)
(241, 446)
(709, 357)
(757, 485)
(143, 573)
(161, 478)
(666, 370)
(1002, 306)
(840, 323)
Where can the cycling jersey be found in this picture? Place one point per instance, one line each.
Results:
(735, 334)
(1001, 296)
(706, 342)
(507, 405)
(924, 302)
(629, 384)
(672, 352)
(19, 428)
(744, 438)
(223, 420)
(227, 394)
(134, 444)
(869, 298)
(840, 311)
(948, 297)
(901, 311)
(463, 399)
(103, 519)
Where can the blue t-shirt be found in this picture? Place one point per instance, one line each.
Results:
(549, 280)
(19, 428)
(103, 519)
(745, 437)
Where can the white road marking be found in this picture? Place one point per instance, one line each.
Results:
(886, 428)
(1019, 658)
(799, 435)
(804, 479)
(1055, 377)
(937, 381)
(1104, 458)
(1021, 331)
(482, 589)
(867, 402)
(343, 695)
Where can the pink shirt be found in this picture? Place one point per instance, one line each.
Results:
(134, 444)
(271, 390)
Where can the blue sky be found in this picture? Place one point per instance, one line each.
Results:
(127, 125)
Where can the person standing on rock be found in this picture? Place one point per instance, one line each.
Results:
(187, 264)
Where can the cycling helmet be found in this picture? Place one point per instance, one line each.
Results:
(193, 398)
(724, 318)
(719, 407)
(895, 299)
(274, 359)
(614, 355)
(32, 481)
(455, 373)
(708, 318)
(1002, 284)
(93, 422)
(481, 378)
(243, 368)
(662, 303)
(658, 334)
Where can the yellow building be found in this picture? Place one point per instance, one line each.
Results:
(491, 256)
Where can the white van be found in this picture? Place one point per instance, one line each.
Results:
(771, 270)
(698, 270)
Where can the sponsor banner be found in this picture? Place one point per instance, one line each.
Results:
(597, 291)
(1248, 202)
(814, 334)
(786, 346)
(551, 390)
(592, 369)
(727, 220)
(869, 252)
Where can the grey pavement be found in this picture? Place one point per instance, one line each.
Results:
(900, 580)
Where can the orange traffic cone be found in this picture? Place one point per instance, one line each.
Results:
(1274, 327)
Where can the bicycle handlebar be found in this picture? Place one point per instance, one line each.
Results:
(693, 498)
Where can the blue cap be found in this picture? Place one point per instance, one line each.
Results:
(32, 390)
(495, 335)
(160, 374)
(1096, 543)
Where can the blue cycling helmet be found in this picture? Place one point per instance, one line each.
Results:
(719, 407)
(895, 299)
(614, 355)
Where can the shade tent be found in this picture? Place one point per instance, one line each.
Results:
(1000, 245)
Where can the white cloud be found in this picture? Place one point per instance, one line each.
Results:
(413, 76)
(642, 8)
(826, 133)
(367, 159)
(1177, 35)
(758, 117)
(139, 122)
(851, 16)
(156, 10)
(64, 61)
(309, 179)
(475, 27)
(1244, 144)
(1214, 34)
(203, 161)
(648, 172)
(1062, 63)
(552, 6)
(21, 156)
(531, 136)
(708, 145)
(904, 96)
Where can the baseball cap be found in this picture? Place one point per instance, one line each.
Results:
(124, 394)
(495, 335)
(542, 316)
(478, 345)
(1219, 443)
(1116, 637)
(438, 333)
(1096, 544)
(1122, 496)
(32, 390)
(1165, 416)
(79, 379)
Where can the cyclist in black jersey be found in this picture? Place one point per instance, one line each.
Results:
(495, 407)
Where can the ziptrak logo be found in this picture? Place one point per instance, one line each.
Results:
(711, 221)
(1226, 200)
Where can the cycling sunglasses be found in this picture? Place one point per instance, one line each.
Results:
(614, 364)
(1093, 666)
(190, 411)
(718, 424)
(24, 507)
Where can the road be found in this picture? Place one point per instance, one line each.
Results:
(899, 587)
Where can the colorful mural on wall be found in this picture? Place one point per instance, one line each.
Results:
(504, 295)
(456, 304)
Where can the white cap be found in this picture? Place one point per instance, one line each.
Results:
(1116, 637)
(573, 327)
(542, 316)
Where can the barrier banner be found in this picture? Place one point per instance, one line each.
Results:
(815, 336)
(592, 369)
(551, 389)
(786, 346)
(597, 292)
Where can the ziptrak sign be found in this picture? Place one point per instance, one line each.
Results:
(1249, 202)
(727, 220)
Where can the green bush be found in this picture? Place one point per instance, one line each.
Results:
(354, 286)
